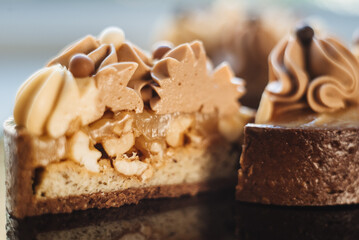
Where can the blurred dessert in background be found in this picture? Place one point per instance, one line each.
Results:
(234, 33)
(355, 41)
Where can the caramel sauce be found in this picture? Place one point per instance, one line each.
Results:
(348, 117)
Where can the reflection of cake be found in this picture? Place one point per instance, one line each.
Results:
(105, 125)
(179, 218)
(255, 221)
(231, 34)
(304, 147)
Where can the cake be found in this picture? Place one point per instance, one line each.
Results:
(234, 33)
(106, 124)
(303, 149)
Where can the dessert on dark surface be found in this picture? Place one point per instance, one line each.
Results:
(105, 124)
(303, 149)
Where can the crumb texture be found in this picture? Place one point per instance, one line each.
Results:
(299, 166)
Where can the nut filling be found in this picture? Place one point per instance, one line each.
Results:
(136, 144)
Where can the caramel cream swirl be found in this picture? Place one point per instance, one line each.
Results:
(95, 75)
(314, 73)
(77, 87)
(335, 73)
(51, 99)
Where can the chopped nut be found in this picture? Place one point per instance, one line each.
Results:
(130, 168)
(231, 127)
(148, 173)
(118, 146)
(195, 138)
(47, 150)
(124, 126)
(79, 151)
(176, 130)
(157, 148)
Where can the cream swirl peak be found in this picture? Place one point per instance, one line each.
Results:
(108, 73)
(309, 72)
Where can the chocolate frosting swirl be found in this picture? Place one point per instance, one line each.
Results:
(321, 75)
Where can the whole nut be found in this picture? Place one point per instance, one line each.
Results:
(81, 66)
(120, 145)
(130, 168)
(305, 34)
(80, 152)
(112, 35)
(161, 49)
(177, 129)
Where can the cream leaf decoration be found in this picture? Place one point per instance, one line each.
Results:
(184, 83)
(112, 82)
(130, 53)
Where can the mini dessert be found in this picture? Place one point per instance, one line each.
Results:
(233, 33)
(304, 148)
(104, 124)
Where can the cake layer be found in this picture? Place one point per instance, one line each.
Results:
(64, 186)
(299, 166)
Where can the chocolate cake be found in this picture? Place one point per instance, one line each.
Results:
(106, 124)
(303, 149)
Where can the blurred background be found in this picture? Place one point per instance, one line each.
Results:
(31, 32)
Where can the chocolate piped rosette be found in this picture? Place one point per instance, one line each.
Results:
(304, 146)
(106, 124)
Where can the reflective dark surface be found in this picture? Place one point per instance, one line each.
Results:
(208, 216)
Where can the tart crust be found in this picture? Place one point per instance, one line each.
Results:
(299, 166)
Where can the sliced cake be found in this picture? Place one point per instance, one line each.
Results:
(106, 124)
